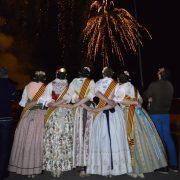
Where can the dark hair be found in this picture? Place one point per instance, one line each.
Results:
(61, 75)
(165, 75)
(108, 72)
(123, 78)
(39, 77)
(84, 73)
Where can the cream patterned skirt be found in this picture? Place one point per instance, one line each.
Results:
(58, 142)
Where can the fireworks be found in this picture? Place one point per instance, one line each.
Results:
(110, 30)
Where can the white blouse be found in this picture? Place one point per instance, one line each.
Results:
(102, 85)
(57, 86)
(125, 89)
(29, 92)
(75, 86)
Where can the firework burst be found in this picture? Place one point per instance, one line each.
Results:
(111, 30)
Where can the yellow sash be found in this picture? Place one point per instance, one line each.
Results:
(35, 98)
(130, 134)
(106, 94)
(84, 88)
(52, 109)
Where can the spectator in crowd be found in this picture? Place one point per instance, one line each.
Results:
(160, 95)
(7, 94)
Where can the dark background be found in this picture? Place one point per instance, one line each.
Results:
(48, 34)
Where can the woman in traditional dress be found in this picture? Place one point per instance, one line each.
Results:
(81, 92)
(109, 151)
(27, 150)
(58, 143)
(147, 151)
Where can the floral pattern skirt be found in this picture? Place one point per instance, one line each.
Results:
(58, 142)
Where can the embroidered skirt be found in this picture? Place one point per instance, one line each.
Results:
(58, 142)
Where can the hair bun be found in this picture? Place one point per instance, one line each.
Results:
(40, 73)
(126, 73)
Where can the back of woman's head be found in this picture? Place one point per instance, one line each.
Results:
(123, 77)
(107, 72)
(39, 76)
(85, 72)
(61, 73)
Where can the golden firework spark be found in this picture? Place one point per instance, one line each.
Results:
(110, 28)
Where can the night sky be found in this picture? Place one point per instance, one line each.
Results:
(37, 44)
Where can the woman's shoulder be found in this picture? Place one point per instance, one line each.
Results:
(126, 85)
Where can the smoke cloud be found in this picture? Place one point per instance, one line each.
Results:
(18, 68)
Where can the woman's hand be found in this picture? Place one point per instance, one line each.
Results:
(51, 104)
(69, 106)
(96, 110)
(111, 102)
(136, 103)
(31, 104)
(89, 109)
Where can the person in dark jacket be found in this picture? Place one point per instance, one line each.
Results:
(160, 95)
(7, 94)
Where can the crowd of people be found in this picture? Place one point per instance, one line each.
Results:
(95, 128)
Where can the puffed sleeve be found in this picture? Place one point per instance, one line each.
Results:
(91, 91)
(119, 93)
(46, 96)
(24, 98)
